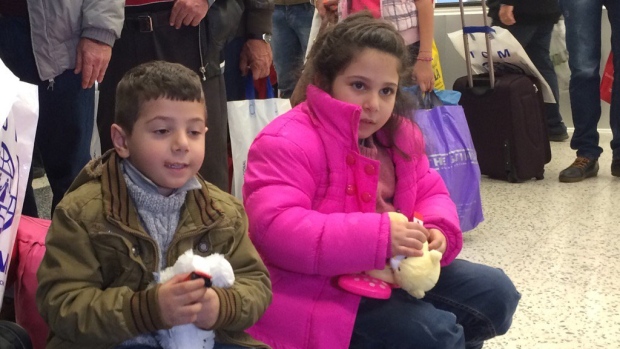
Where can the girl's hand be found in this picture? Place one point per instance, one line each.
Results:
(424, 76)
(407, 237)
(436, 240)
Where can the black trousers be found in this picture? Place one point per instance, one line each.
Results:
(137, 45)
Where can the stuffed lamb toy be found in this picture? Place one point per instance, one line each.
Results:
(189, 336)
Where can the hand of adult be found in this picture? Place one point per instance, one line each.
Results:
(188, 12)
(506, 16)
(424, 75)
(92, 60)
(325, 7)
(256, 56)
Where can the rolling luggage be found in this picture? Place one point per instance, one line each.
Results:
(506, 118)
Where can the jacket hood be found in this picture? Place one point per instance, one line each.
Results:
(92, 170)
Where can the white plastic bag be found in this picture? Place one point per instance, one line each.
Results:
(508, 55)
(559, 55)
(19, 114)
(245, 120)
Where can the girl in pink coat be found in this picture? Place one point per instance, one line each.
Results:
(319, 183)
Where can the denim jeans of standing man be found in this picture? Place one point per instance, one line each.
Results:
(583, 41)
(469, 304)
(291, 32)
(66, 112)
(536, 39)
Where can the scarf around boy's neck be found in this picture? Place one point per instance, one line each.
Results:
(158, 213)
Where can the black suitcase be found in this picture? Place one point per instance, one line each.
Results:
(506, 118)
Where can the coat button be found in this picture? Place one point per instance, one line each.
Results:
(366, 197)
(135, 250)
(350, 189)
(370, 170)
(350, 159)
(203, 247)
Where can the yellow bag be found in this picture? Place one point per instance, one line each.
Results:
(439, 85)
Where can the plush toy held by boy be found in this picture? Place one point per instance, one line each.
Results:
(132, 213)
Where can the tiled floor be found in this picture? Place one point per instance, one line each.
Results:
(559, 244)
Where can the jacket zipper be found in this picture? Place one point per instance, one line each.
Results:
(203, 66)
(50, 85)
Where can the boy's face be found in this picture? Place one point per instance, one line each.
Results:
(167, 143)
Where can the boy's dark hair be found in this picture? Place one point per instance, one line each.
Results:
(150, 81)
(336, 47)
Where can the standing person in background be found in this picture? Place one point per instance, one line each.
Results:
(192, 33)
(583, 41)
(63, 47)
(413, 20)
(292, 20)
(531, 23)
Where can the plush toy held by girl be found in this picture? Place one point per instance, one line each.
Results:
(319, 183)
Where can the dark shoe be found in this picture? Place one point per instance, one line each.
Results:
(580, 169)
(560, 137)
(615, 167)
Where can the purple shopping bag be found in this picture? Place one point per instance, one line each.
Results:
(451, 152)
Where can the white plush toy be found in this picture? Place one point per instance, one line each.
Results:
(416, 275)
(190, 336)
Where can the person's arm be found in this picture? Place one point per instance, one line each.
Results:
(102, 22)
(75, 299)
(439, 211)
(422, 68)
(240, 306)
(256, 53)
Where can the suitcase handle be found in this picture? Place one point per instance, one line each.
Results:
(472, 29)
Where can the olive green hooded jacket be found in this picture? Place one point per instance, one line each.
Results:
(96, 282)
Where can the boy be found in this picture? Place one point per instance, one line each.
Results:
(133, 212)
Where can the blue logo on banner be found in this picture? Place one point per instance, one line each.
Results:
(8, 199)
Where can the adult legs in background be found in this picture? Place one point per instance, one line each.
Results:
(291, 32)
(470, 304)
(235, 83)
(613, 13)
(583, 41)
(66, 112)
(536, 39)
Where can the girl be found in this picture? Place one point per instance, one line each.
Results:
(412, 18)
(319, 184)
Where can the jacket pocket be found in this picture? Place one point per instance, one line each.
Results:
(118, 266)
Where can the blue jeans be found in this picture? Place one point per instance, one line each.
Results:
(583, 40)
(66, 110)
(470, 304)
(535, 39)
(291, 32)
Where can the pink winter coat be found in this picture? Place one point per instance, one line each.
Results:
(310, 197)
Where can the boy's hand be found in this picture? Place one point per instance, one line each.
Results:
(210, 311)
(407, 237)
(180, 300)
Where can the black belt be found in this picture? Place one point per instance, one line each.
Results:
(146, 22)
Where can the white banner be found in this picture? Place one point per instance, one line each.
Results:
(508, 56)
(19, 113)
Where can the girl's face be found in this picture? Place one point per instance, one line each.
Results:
(370, 81)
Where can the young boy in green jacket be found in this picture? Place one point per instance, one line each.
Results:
(132, 213)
